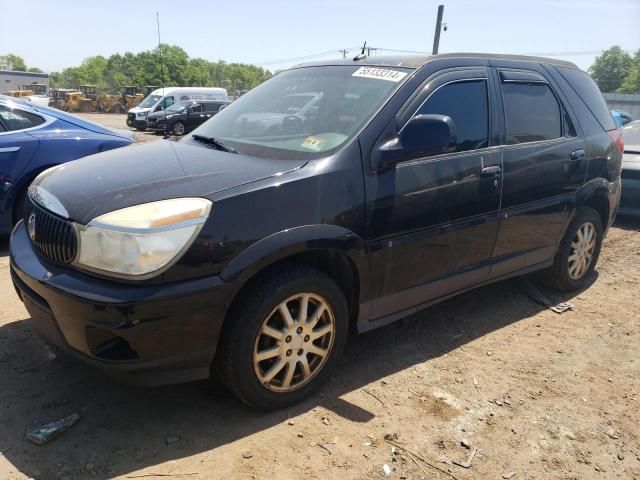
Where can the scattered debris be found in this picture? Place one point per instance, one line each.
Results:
(509, 475)
(386, 469)
(300, 435)
(465, 443)
(466, 464)
(414, 454)
(325, 420)
(391, 436)
(369, 393)
(611, 433)
(247, 454)
(51, 430)
(324, 446)
(562, 307)
(171, 440)
(621, 456)
(291, 423)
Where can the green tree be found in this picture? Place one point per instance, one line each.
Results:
(611, 68)
(631, 83)
(35, 70)
(14, 61)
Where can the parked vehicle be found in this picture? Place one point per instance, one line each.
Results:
(58, 96)
(182, 117)
(630, 199)
(621, 117)
(33, 139)
(163, 98)
(253, 256)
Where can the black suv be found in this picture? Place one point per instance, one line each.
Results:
(251, 247)
(182, 117)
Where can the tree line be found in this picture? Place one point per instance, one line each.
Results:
(167, 65)
(616, 71)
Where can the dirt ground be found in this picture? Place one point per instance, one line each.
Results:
(539, 394)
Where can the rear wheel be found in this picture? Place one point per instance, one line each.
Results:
(578, 252)
(284, 338)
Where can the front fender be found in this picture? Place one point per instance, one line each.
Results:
(295, 240)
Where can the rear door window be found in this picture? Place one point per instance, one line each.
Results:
(18, 119)
(466, 102)
(532, 113)
(590, 94)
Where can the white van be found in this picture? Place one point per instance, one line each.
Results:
(163, 98)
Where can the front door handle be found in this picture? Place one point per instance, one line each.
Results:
(9, 149)
(577, 155)
(491, 171)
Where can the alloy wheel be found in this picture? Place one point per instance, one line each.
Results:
(294, 342)
(582, 249)
(178, 129)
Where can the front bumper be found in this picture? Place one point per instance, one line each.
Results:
(136, 123)
(630, 198)
(143, 334)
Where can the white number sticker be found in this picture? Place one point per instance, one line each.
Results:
(379, 74)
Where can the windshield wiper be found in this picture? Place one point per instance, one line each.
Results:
(216, 143)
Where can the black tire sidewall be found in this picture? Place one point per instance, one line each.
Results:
(239, 374)
(561, 265)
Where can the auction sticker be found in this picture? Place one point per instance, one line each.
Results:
(380, 74)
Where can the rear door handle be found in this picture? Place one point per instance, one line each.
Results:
(491, 171)
(577, 155)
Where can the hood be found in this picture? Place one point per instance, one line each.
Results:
(164, 113)
(138, 109)
(79, 122)
(149, 172)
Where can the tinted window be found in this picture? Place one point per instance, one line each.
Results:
(166, 103)
(589, 93)
(211, 107)
(531, 111)
(466, 104)
(195, 108)
(18, 119)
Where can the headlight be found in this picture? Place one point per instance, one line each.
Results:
(143, 114)
(142, 240)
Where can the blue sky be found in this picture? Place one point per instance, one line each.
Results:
(54, 34)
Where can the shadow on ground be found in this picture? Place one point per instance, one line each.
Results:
(123, 428)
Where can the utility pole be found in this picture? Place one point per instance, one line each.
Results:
(436, 36)
(344, 52)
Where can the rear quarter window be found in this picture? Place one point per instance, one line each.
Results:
(590, 95)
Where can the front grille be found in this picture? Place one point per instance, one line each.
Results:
(54, 237)
(131, 116)
(152, 120)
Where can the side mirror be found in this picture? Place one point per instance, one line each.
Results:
(428, 135)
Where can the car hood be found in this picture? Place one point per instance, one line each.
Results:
(149, 172)
(163, 114)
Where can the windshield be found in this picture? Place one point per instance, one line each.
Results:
(178, 107)
(305, 112)
(150, 101)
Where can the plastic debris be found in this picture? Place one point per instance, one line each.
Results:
(386, 469)
(563, 307)
(51, 430)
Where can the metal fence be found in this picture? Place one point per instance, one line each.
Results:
(629, 102)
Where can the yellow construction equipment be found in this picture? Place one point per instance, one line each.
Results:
(128, 98)
(83, 100)
(57, 97)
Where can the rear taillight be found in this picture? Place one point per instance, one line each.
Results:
(616, 137)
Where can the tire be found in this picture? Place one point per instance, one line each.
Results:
(244, 338)
(178, 129)
(569, 275)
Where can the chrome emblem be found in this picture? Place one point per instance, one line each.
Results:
(31, 226)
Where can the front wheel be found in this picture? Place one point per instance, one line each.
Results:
(284, 338)
(578, 252)
(177, 129)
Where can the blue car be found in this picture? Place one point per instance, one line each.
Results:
(34, 138)
(620, 117)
